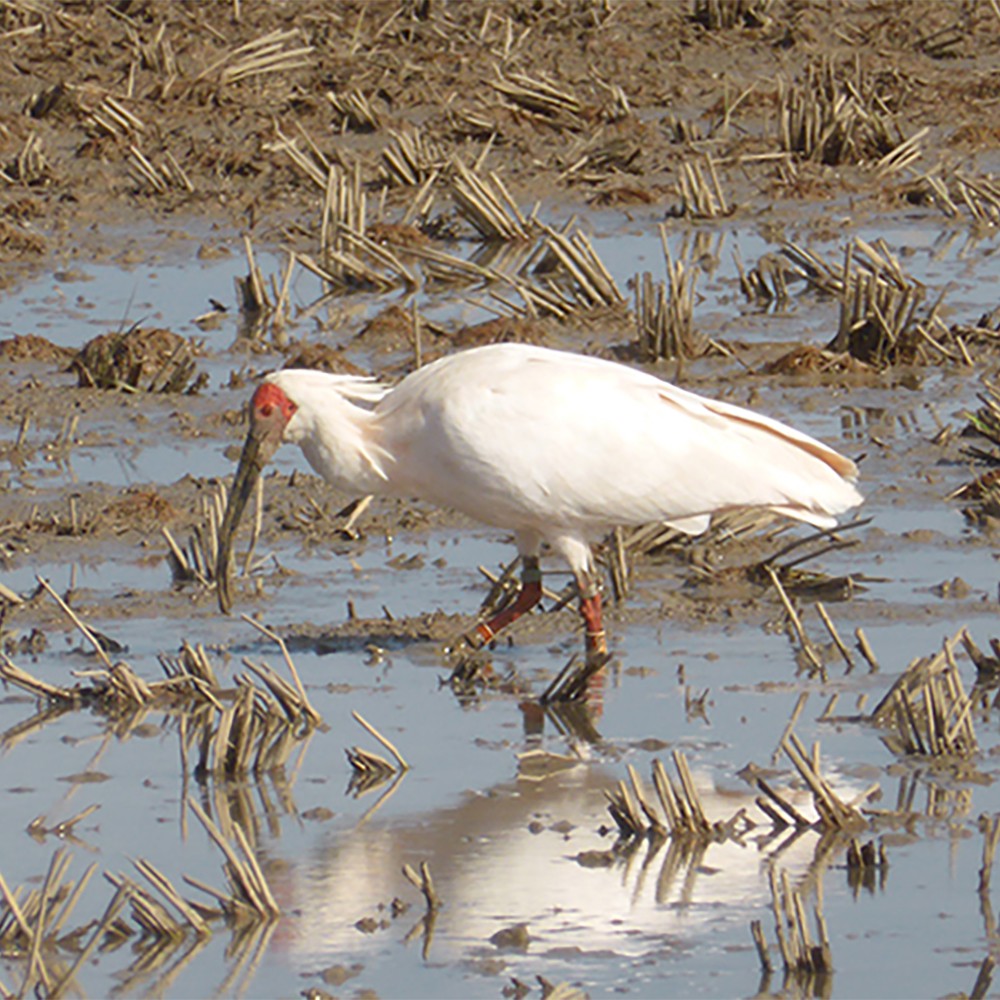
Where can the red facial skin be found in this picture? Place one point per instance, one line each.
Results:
(269, 398)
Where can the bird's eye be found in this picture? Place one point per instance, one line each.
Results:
(266, 410)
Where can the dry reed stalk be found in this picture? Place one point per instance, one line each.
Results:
(981, 196)
(346, 271)
(793, 718)
(574, 256)
(834, 814)
(760, 943)
(573, 681)
(683, 815)
(251, 290)
(864, 647)
(984, 977)
(944, 42)
(904, 155)
(836, 115)
(34, 920)
(369, 768)
(538, 302)
(813, 269)
(805, 644)
(690, 793)
(618, 567)
(765, 283)
(192, 666)
(928, 710)
(83, 629)
(228, 906)
(447, 268)
(625, 811)
(878, 306)
(666, 323)
(835, 636)
(306, 707)
(345, 208)
(162, 177)
(245, 878)
(983, 425)
(881, 321)
(701, 198)
(113, 118)
(594, 158)
(939, 194)
(987, 667)
(865, 857)
(356, 110)
(487, 205)
(253, 733)
(656, 824)
(267, 54)
(149, 913)
(400, 760)
(158, 56)
(75, 890)
(541, 97)
(37, 970)
(13, 674)
(30, 165)
(109, 918)
(410, 158)
(877, 320)
(383, 257)
(799, 952)
(312, 162)
(785, 813)
(425, 884)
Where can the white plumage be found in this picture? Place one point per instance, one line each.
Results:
(555, 447)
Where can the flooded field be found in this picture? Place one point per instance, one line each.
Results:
(176, 793)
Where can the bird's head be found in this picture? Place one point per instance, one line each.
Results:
(269, 412)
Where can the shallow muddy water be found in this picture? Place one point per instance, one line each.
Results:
(507, 846)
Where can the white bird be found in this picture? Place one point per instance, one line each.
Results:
(557, 448)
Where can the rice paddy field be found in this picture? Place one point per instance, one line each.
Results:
(782, 784)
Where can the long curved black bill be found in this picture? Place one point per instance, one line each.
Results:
(256, 451)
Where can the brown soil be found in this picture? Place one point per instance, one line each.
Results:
(434, 67)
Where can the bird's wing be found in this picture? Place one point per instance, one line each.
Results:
(541, 439)
(618, 446)
(842, 465)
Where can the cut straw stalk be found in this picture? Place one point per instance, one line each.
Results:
(68, 611)
(311, 712)
(245, 876)
(389, 746)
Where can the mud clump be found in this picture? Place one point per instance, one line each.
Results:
(323, 358)
(162, 359)
(31, 347)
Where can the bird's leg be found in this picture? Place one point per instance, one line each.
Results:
(529, 596)
(590, 611)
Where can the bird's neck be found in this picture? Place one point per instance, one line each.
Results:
(341, 443)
